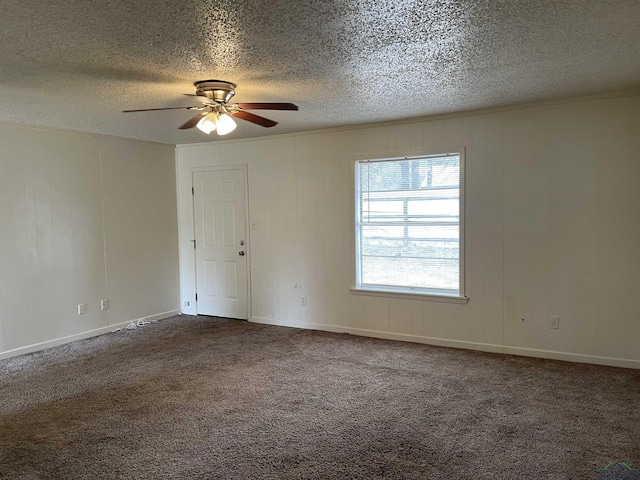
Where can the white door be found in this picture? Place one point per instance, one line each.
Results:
(221, 261)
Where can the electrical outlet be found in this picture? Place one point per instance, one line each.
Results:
(554, 322)
(254, 224)
(82, 308)
(187, 303)
(104, 304)
(303, 300)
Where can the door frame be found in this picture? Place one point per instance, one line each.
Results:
(245, 175)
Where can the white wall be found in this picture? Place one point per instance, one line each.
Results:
(82, 218)
(551, 212)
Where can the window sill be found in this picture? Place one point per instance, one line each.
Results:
(429, 297)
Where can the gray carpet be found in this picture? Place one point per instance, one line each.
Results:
(198, 397)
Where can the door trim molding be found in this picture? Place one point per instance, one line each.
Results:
(245, 175)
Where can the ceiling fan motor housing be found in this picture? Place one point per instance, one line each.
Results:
(217, 90)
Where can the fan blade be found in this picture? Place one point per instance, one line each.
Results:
(250, 117)
(267, 106)
(193, 121)
(154, 109)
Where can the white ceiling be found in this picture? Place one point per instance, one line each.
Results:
(77, 63)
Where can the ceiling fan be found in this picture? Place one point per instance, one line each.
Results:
(215, 112)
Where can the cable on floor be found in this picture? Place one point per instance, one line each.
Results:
(134, 325)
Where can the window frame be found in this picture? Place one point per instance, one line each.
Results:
(408, 292)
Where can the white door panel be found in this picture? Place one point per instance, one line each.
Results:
(221, 269)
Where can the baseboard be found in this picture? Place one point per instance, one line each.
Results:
(80, 336)
(160, 316)
(304, 326)
(441, 342)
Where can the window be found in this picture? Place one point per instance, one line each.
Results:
(409, 225)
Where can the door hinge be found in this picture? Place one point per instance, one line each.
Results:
(193, 191)
(196, 297)
(194, 244)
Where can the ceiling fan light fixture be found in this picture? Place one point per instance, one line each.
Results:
(207, 124)
(215, 112)
(225, 124)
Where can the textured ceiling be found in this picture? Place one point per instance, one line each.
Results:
(77, 63)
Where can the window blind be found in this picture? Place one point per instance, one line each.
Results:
(409, 224)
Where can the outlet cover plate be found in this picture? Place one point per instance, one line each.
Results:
(554, 322)
(82, 308)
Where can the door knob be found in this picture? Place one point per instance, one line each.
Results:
(241, 253)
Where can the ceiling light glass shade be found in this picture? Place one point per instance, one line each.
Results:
(207, 124)
(225, 124)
